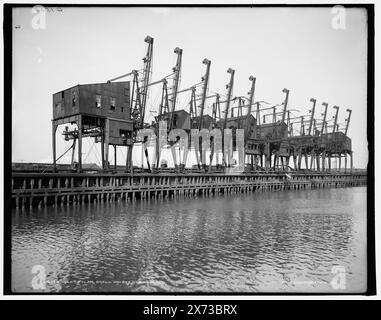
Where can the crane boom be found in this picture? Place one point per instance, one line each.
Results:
(348, 120)
(335, 122)
(205, 79)
(251, 99)
(147, 60)
(122, 76)
(251, 94)
(163, 108)
(324, 117)
(193, 107)
(175, 83)
(312, 115)
(230, 90)
(287, 92)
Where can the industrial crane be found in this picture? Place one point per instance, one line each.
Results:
(287, 92)
(140, 97)
(324, 114)
(312, 115)
(140, 87)
(333, 135)
(139, 94)
(216, 113)
(140, 91)
(345, 133)
(285, 103)
(348, 120)
(335, 117)
(275, 148)
(312, 122)
(138, 113)
(175, 85)
(147, 60)
(251, 100)
(168, 100)
(192, 104)
(247, 127)
(205, 80)
(228, 99)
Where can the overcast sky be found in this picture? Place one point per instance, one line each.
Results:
(294, 48)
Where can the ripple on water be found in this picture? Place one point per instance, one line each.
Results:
(263, 242)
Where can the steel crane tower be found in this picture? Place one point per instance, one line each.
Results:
(312, 122)
(139, 94)
(230, 90)
(205, 80)
(312, 115)
(251, 99)
(335, 120)
(247, 120)
(175, 85)
(147, 60)
(287, 92)
(346, 131)
(348, 120)
(325, 104)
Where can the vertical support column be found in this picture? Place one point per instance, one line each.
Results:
(329, 162)
(287, 162)
(54, 130)
(103, 148)
(317, 162)
(312, 163)
(129, 158)
(106, 143)
(73, 152)
(267, 156)
(306, 160)
(115, 160)
(275, 161)
(299, 159)
(339, 162)
(323, 161)
(345, 162)
(79, 124)
(295, 159)
(351, 161)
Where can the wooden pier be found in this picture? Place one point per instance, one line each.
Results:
(58, 189)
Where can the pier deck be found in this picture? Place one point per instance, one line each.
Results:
(46, 189)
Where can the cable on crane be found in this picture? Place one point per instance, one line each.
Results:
(60, 156)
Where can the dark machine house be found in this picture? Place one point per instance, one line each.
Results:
(101, 111)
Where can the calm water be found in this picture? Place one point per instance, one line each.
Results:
(279, 242)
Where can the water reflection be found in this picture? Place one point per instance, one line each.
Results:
(278, 242)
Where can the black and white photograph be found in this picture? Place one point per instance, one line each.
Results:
(190, 149)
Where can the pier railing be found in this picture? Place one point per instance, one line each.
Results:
(45, 189)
